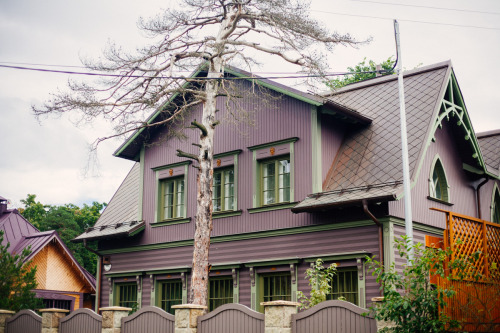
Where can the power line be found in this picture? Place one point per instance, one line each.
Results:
(429, 7)
(187, 78)
(403, 20)
(45, 65)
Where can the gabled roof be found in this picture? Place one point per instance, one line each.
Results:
(119, 218)
(490, 148)
(368, 164)
(21, 234)
(131, 147)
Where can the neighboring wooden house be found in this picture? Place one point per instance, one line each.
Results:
(316, 177)
(62, 282)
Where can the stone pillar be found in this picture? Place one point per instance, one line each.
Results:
(112, 318)
(186, 317)
(4, 315)
(278, 316)
(51, 318)
(381, 324)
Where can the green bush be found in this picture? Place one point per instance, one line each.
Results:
(320, 281)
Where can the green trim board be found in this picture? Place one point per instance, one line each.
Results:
(389, 248)
(245, 236)
(98, 284)
(170, 222)
(230, 213)
(316, 151)
(228, 153)
(138, 230)
(274, 143)
(495, 204)
(160, 185)
(440, 179)
(273, 262)
(472, 169)
(338, 256)
(417, 226)
(141, 183)
(269, 208)
(173, 165)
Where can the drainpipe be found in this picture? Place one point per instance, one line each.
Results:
(99, 273)
(377, 222)
(478, 197)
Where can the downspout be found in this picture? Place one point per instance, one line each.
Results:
(99, 273)
(377, 222)
(478, 197)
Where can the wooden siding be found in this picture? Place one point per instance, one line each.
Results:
(230, 318)
(56, 272)
(299, 245)
(462, 194)
(332, 133)
(81, 321)
(149, 319)
(25, 321)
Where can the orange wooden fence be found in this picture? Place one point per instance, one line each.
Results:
(476, 304)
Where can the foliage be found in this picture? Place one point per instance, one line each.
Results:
(320, 281)
(411, 302)
(16, 280)
(363, 71)
(69, 221)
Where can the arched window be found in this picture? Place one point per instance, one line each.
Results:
(495, 206)
(438, 185)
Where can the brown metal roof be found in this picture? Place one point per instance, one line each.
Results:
(490, 149)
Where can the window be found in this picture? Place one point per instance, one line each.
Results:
(57, 304)
(170, 294)
(126, 295)
(345, 284)
(495, 206)
(223, 190)
(438, 183)
(220, 292)
(275, 181)
(276, 287)
(172, 198)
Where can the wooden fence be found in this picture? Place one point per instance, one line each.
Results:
(25, 321)
(230, 318)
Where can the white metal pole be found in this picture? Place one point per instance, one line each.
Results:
(404, 145)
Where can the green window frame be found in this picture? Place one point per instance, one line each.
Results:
(126, 295)
(220, 292)
(223, 197)
(275, 186)
(495, 206)
(345, 284)
(172, 198)
(275, 287)
(169, 294)
(438, 185)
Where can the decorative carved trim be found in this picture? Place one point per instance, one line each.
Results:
(292, 273)
(359, 263)
(183, 279)
(252, 276)
(235, 278)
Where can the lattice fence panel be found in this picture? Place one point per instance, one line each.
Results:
(493, 241)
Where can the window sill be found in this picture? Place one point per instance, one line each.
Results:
(227, 213)
(440, 201)
(171, 222)
(267, 208)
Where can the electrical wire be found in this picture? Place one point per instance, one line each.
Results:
(187, 78)
(429, 7)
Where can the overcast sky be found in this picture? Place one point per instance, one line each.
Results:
(50, 159)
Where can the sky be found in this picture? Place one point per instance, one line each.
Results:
(51, 158)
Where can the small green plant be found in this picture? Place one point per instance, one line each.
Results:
(320, 281)
(411, 302)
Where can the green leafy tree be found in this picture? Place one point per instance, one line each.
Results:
(320, 281)
(411, 302)
(16, 280)
(33, 210)
(362, 71)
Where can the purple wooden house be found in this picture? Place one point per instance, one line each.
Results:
(314, 177)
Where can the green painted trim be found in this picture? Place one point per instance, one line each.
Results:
(98, 284)
(220, 267)
(235, 160)
(228, 153)
(437, 159)
(317, 175)
(292, 172)
(294, 285)
(236, 289)
(492, 202)
(246, 236)
(339, 256)
(253, 292)
(173, 165)
(389, 245)
(123, 274)
(141, 183)
(135, 232)
(274, 143)
(362, 286)
(273, 262)
(255, 177)
(154, 291)
(139, 293)
(170, 222)
(471, 169)
(418, 226)
(268, 208)
(229, 213)
(184, 294)
(277, 89)
(183, 269)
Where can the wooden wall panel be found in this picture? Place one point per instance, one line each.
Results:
(40, 261)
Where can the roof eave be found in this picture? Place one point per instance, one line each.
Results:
(333, 205)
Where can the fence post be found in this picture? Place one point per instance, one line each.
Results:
(186, 317)
(4, 315)
(278, 316)
(51, 318)
(112, 318)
